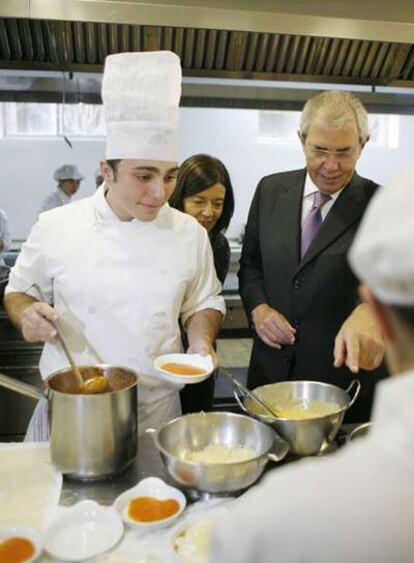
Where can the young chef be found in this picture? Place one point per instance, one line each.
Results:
(358, 504)
(120, 268)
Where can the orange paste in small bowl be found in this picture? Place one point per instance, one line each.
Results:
(182, 369)
(151, 509)
(16, 550)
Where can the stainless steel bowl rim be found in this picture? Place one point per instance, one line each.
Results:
(197, 463)
(291, 418)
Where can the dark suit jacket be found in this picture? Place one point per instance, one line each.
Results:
(316, 294)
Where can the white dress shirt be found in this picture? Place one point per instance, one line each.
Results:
(308, 194)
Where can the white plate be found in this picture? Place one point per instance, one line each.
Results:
(30, 534)
(196, 360)
(85, 530)
(149, 487)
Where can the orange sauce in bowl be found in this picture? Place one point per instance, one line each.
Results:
(16, 550)
(151, 509)
(182, 369)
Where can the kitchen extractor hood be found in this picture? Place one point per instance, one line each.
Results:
(366, 43)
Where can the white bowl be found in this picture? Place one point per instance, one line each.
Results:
(85, 530)
(149, 487)
(30, 534)
(196, 360)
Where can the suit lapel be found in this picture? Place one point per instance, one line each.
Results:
(288, 209)
(346, 210)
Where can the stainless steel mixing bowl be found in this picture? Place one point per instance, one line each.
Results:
(305, 436)
(196, 431)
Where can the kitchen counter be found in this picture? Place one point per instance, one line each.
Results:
(147, 463)
(152, 546)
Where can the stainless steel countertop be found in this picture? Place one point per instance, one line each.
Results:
(147, 463)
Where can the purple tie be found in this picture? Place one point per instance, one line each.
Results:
(312, 221)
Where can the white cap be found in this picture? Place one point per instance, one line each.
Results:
(141, 93)
(382, 254)
(67, 172)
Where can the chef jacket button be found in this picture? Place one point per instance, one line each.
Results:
(296, 284)
(91, 310)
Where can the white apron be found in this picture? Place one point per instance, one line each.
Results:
(119, 289)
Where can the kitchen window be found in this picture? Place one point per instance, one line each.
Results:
(52, 120)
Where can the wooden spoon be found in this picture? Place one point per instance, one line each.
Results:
(93, 385)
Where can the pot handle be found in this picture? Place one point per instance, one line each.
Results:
(279, 449)
(357, 385)
(238, 395)
(20, 387)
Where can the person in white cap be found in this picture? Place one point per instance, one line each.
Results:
(68, 180)
(356, 505)
(5, 236)
(122, 267)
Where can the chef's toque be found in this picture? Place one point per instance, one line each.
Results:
(382, 254)
(141, 93)
(67, 172)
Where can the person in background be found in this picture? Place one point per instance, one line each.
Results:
(68, 179)
(5, 244)
(205, 192)
(5, 236)
(295, 283)
(121, 268)
(355, 505)
(98, 178)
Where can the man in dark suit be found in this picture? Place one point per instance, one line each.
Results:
(295, 283)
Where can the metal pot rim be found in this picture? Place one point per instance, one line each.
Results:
(91, 396)
(155, 434)
(266, 419)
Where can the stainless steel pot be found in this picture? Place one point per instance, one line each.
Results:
(305, 436)
(196, 431)
(91, 436)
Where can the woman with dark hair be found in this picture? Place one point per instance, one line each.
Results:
(204, 191)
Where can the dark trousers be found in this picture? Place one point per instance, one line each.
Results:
(198, 396)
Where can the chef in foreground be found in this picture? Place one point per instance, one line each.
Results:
(356, 505)
(121, 268)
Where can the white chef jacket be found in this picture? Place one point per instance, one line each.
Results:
(4, 235)
(354, 506)
(120, 288)
(56, 199)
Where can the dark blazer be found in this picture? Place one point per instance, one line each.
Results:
(316, 294)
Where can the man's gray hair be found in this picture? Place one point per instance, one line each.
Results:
(335, 107)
